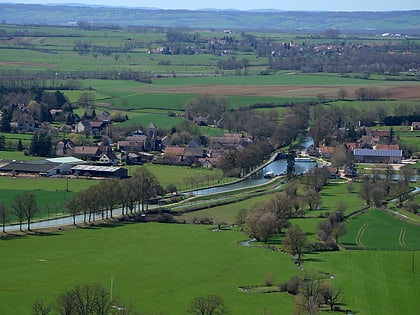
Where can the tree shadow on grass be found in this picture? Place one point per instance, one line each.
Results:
(43, 233)
(105, 225)
(11, 236)
(312, 257)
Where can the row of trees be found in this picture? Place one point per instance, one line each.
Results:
(24, 207)
(132, 194)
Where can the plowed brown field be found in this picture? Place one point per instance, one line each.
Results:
(408, 92)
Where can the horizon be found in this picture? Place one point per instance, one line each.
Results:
(301, 5)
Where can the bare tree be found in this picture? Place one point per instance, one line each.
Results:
(40, 308)
(146, 185)
(240, 218)
(110, 191)
(313, 198)
(329, 294)
(317, 178)
(73, 207)
(4, 214)
(86, 299)
(208, 305)
(261, 222)
(308, 300)
(342, 93)
(295, 242)
(25, 207)
(365, 190)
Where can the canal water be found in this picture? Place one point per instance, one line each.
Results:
(278, 167)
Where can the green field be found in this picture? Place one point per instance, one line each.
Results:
(378, 230)
(373, 282)
(150, 263)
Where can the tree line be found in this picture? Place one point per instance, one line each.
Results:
(132, 195)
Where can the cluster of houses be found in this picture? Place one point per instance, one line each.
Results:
(106, 160)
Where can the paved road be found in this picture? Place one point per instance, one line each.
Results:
(55, 223)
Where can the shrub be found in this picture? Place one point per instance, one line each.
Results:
(269, 279)
(294, 284)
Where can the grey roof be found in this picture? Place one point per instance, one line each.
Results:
(42, 166)
(96, 168)
(370, 152)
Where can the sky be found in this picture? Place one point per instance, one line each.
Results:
(300, 5)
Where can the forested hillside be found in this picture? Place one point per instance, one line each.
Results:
(406, 22)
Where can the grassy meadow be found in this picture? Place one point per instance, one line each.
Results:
(150, 263)
(378, 230)
(153, 262)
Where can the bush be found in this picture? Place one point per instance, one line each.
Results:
(294, 284)
(269, 279)
(166, 218)
(328, 245)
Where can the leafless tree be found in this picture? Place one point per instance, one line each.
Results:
(295, 242)
(208, 305)
(110, 191)
(313, 198)
(40, 308)
(308, 300)
(85, 299)
(261, 222)
(4, 214)
(25, 207)
(240, 218)
(329, 294)
(146, 185)
(73, 207)
(342, 93)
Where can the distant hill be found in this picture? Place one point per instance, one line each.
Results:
(406, 22)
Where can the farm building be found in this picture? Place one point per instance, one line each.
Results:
(99, 171)
(38, 168)
(377, 156)
(48, 167)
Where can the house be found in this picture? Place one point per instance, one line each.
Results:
(173, 154)
(109, 158)
(208, 162)
(350, 171)
(131, 145)
(194, 150)
(104, 117)
(83, 127)
(201, 121)
(64, 148)
(377, 156)
(326, 151)
(57, 114)
(26, 123)
(87, 152)
(383, 135)
(333, 172)
(415, 126)
(97, 127)
(386, 147)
